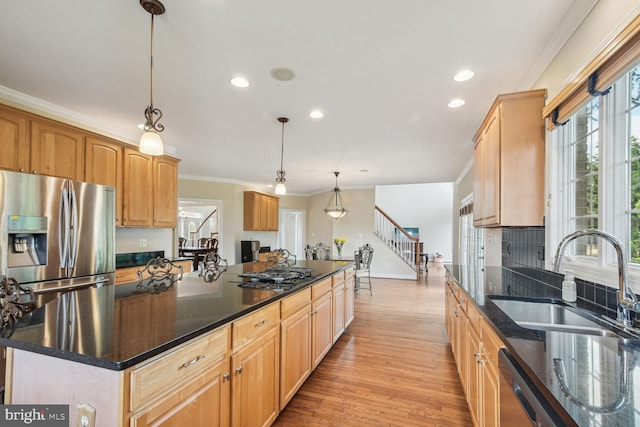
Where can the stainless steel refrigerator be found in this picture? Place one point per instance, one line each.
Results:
(56, 234)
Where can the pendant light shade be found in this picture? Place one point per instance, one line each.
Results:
(281, 188)
(150, 142)
(335, 208)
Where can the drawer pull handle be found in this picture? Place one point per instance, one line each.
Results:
(191, 362)
(261, 323)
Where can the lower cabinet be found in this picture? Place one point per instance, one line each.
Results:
(349, 299)
(254, 385)
(295, 344)
(338, 311)
(206, 402)
(475, 348)
(321, 327)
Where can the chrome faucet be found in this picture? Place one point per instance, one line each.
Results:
(627, 300)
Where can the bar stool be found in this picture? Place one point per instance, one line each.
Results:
(363, 257)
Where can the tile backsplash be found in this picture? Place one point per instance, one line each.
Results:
(523, 253)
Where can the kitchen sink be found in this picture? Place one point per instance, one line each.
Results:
(551, 316)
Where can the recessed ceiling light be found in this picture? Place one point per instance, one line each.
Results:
(239, 81)
(316, 114)
(464, 75)
(455, 103)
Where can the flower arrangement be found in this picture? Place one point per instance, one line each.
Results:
(339, 242)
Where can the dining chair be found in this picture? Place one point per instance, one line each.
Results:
(363, 257)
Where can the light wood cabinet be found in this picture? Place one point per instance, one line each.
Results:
(295, 353)
(189, 385)
(103, 165)
(321, 320)
(509, 162)
(260, 211)
(146, 186)
(207, 403)
(56, 150)
(13, 140)
(475, 346)
(338, 311)
(138, 192)
(254, 386)
(349, 300)
(165, 192)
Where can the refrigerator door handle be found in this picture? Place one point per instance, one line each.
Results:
(63, 229)
(73, 228)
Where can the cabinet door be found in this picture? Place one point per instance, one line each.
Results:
(56, 151)
(255, 377)
(252, 202)
(138, 189)
(165, 203)
(338, 311)
(490, 395)
(295, 353)
(103, 165)
(474, 385)
(349, 301)
(204, 401)
(491, 170)
(478, 186)
(13, 141)
(321, 328)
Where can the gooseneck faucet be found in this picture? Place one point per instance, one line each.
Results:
(627, 300)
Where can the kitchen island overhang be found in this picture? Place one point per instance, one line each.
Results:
(204, 307)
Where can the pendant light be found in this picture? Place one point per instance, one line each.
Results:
(150, 142)
(335, 208)
(281, 188)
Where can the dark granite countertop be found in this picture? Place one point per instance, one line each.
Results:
(116, 327)
(602, 373)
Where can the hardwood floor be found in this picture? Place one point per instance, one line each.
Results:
(392, 367)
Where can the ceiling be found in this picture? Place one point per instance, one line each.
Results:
(380, 70)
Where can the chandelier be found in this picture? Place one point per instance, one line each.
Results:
(335, 208)
(150, 142)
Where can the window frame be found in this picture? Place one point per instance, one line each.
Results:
(613, 204)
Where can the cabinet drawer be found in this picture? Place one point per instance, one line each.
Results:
(295, 302)
(320, 289)
(176, 366)
(492, 344)
(252, 325)
(349, 273)
(337, 279)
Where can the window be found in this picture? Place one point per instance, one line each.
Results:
(596, 168)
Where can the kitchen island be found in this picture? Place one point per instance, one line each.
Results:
(196, 351)
(588, 379)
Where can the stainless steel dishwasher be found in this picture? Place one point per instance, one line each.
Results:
(520, 400)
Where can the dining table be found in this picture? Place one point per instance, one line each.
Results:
(196, 252)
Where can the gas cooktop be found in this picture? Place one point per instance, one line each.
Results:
(281, 278)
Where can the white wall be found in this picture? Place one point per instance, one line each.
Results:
(427, 206)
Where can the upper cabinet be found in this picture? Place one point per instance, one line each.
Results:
(146, 186)
(13, 140)
(56, 150)
(260, 211)
(103, 165)
(509, 162)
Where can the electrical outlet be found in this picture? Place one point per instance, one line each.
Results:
(143, 243)
(86, 415)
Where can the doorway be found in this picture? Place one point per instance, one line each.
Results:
(199, 219)
(291, 231)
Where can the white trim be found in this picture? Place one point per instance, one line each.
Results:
(464, 172)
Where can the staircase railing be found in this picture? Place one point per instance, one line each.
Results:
(397, 238)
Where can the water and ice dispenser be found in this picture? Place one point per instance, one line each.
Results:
(27, 241)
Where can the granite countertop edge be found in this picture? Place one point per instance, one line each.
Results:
(148, 354)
